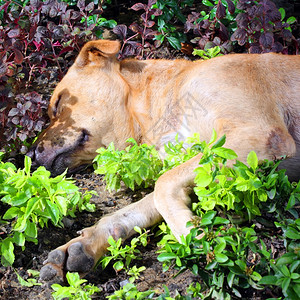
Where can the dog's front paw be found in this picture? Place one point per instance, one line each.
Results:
(73, 256)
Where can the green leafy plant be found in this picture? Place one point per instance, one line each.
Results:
(209, 53)
(285, 271)
(139, 165)
(134, 165)
(123, 255)
(77, 289)
(129, 292)
(286, 275)
(33, 200)
(30, 282)
(168, 21)
(241, 188)
(217, 251)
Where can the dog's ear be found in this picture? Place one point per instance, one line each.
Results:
(95, 52)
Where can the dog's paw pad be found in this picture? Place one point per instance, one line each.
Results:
(56, 257)
(48, 272)
(78, 260)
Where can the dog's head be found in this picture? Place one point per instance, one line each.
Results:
(85, 109)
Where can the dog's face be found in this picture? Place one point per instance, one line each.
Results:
(81, 110)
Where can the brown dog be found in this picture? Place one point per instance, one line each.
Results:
(253, 99)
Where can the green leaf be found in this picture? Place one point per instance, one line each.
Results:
(282, 12)
(219, 221)
(62, 204)
(219, 143)
(291, 20)
(27, 165)
(292, 233)
(225, 153)
(203, 178)
(252, 160)
(31, 204)
(286, 259)
(144, 172)
(208, 217)
(31, 229)
(207, 3)
(31, 281)
(285, 285)
(20, 198)
(241, 264)
(285, 271)
(52, 211)
(12, 213)
(255, 276)
(174, 42)
(221, 258)
(118, 266)
(166, 256)
(7, 250)
(230, 279)
(269, 280)
(220, 247)
(19, 238)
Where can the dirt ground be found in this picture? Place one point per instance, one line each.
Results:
(49, 238)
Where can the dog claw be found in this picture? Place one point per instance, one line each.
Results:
(78, 260)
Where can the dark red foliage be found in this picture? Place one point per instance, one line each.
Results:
(260, 28)
(142, 32)
(41, 35)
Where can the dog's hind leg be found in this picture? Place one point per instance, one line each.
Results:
(171, 196)
(82, 253)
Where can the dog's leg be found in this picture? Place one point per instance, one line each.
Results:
(82, 253)
(171, 196)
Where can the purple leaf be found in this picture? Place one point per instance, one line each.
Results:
(22, 136)
(266, 40)
(277, 47)
(15, 120)
(13, 112)
(242, 20)
(81, 4)
(150, 24)
(136, 28)
(231, 7)
(287, 35)
(3, 68)
(221, 10)
(89, 7)
(151, 2)
(35, 3)
(121, 31)
(75, 15)
(155, 12)
(240, 36)
(224, 35)
(14, 33)
(138, 6)
(18, 56)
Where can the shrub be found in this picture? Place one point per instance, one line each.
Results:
(33, 200)
(39, 41)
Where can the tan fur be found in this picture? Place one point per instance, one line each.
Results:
(253, 99)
